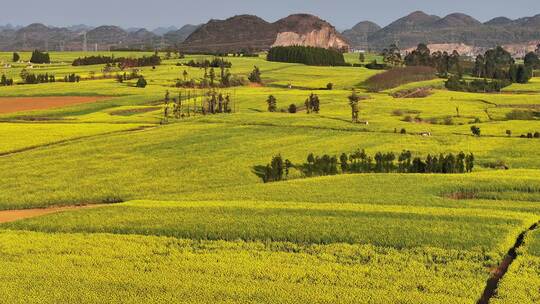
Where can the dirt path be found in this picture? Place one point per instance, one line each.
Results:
(493, 282)
(15, 215)
(18, 104)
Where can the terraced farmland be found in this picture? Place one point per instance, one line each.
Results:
(184, 217)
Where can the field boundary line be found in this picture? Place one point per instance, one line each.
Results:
(497, 275)
(51, 144)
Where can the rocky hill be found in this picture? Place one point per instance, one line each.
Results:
(251, 33)
(308, 30)
(42, 37)
(358, 35)
(178, 36)
(36, 35)
(454, 29)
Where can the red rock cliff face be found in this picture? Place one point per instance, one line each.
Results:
(308, 30)
(325, 38)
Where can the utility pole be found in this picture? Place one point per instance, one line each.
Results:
(85, 42)
(162, 46)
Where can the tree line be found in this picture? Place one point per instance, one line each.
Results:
(93, 60)
(72, 78)
(499, 64)
(4, 81)
(188, 104)
(455, 83)
(121, 62)
(29, 78)
(211, 79)
(312, 104)
(39, 57)
(360, 162)
(307, 55)
(443, 62)
(214, 63)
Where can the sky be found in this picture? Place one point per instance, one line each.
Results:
(151, 14)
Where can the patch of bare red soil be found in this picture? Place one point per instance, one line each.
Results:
(15, 215)
(18, 104)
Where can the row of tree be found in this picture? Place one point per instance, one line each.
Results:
(121, 62)
(72, 78)
(443, 62)
(499, 64)
(455, 83)
(214, 63)
(39, 57)
(188, 104)
(4, 81)
(29, 78)
(360, 162)
(139, 62)
(125, 76)
(312, 104)
(531, 60)
(93, 60)
(210, 79)
(306, 55)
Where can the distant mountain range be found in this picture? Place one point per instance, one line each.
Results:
(80, 37)
(247, 32)
(454, 29)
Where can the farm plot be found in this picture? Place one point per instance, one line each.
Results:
(321, 223)
(18, 137)
(522, 283)
(97, 267)
(200, 226)
(18, 104)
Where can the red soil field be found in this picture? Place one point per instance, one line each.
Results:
(15, 215)
(18, 104)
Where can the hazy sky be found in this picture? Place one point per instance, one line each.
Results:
(153, 13)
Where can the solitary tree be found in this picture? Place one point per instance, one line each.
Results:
(16, 57)
(362, 57)
(475, 131)
(354, 99)
(185, 74)
(531, 60)
(212, 76)
(469, 162)
(343, 160)
(272, 103)
(255, 75)
(292, 108)
(167, 97)
(141, 82)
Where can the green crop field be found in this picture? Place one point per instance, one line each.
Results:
(184, 218)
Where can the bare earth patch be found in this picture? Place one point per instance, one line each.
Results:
(15, 215)
(18, 104)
